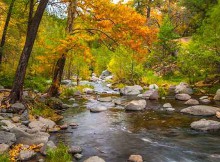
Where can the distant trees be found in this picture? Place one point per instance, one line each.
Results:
(5, 29)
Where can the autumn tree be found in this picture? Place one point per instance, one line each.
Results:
(34, 22)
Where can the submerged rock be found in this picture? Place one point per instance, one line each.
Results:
(182, 97)
(202, 110)
(94, 159)
(105, 99)
(136, 105)
(98, 109)
(205, 125)
(167, 105)
(135, 158)
(75, 150)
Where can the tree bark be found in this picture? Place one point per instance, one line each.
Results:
(57, 77)
(5, 29)
(17, 89)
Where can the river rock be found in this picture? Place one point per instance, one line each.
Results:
(119, 101)
(192, 102)
(202, 110)
(153, 87)
(88, 90)
(167, 105)
(98, 109)
(18, 107)
(64, 126)
(182, 97)
(48, 145)
(205, 125)
(105, 99)
(7, 125)
(49, 123)
(217, 95)
(29, 139)
(135, 158)
(105, 74)
(218, 114)
(94, 79)
(183, 88)
(26, 155)
(94, 159)
(75, 150)
(16, 119)
(170, 109)
(7, 138)
(3, 148)
(136, 105)
(205, 101)
(150, 94)
(131, 90)
(204, 97)
(78, 156)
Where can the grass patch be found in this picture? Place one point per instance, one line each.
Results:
(40, 109)
(60, 154)
(4, 158)
(68, 92)
(36, 83)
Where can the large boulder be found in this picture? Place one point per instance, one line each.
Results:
(7, 138)
(131, 90)
(182, 97)
(29, 139)
(201, 110)
(205, 125)
(42, 124)
(136, 105)
(94, 159)
(192, 102)
(217, 95)
(183, 88)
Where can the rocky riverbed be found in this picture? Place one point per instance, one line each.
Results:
(132, 123)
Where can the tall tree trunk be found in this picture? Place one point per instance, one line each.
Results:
(5, 29)
(17, 89)
(57, 77)
(54, 89)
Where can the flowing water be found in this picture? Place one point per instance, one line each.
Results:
(157, 135)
